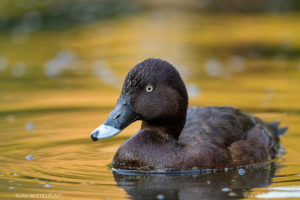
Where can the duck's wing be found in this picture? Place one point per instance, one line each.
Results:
(245, 136)
(217, 125)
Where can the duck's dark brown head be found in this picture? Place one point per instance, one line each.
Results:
(154, 92)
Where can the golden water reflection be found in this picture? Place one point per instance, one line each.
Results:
(256, 62)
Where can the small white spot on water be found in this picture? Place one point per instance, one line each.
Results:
(11, 188)
(29, 157)
(102, 70)
(47, 186)
(213, 68)
(226, 169)
(63, 60)
(232, 194)
(183, 71)
(241, 172)
(18, 69)
(160, 197)
(237, 63)
(15, 174)
(84, 183)
(29, 126)
(193, 90)
(42, 183)
(92, 183)
(208, 182)
(10, 118)
(226, 189)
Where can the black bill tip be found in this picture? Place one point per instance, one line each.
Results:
(94, 136)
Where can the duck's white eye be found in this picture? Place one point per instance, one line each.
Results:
(149, 88)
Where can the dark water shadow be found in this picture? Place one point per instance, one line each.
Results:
(220, 185)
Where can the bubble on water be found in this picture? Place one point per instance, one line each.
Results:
(208, 182)
(213, 68)
(47, 186)
(18, 69)
(15, 174)
(226, 169)
(63, 60)
(160, 196)
(3, 63)
(102, 70)
(29, 157)
(193, 90)
(30, 126)
(10, 118)
(225, 189)
(11, 188)
(237, 63)
(298, 174)
(241, 172)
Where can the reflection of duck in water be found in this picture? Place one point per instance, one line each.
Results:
(221, 185)
(175, 137)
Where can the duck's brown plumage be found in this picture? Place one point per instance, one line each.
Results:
(176, 137)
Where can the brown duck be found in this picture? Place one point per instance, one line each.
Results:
(175, 137)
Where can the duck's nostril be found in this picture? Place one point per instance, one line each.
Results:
(94, 136)
(117, 116)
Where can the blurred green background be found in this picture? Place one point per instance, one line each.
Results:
(62, 64)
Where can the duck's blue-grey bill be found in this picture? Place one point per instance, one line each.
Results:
(122, 116)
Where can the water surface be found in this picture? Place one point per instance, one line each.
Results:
(57, 86)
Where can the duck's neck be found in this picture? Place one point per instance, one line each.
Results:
(166, 130)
